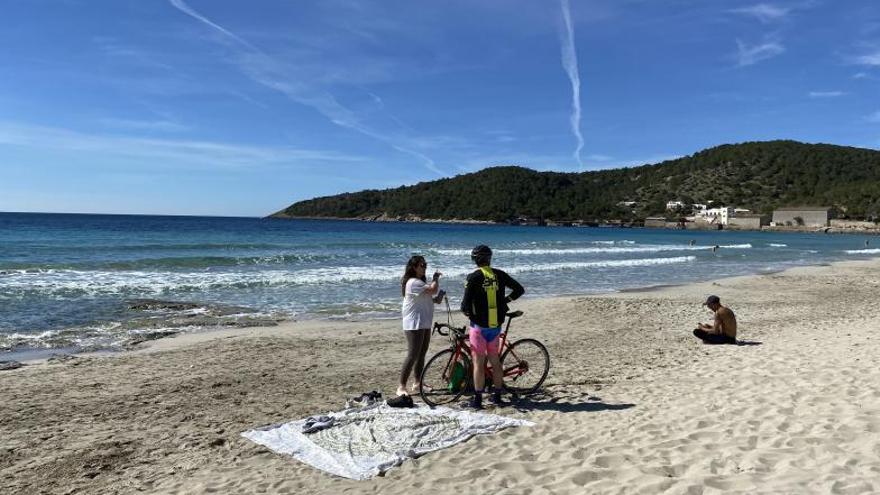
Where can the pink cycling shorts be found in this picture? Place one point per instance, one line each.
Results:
(480, 346)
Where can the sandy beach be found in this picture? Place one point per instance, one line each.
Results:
(633, 403)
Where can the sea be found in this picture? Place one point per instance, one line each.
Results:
(71, 283)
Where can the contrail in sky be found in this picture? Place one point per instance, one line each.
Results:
(186, 9)
(263, 70)
(570, 64)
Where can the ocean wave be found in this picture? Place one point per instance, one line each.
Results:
(777, 245)
(178, 262)
(595, 250)
(601, 264)
(863, 251)
(217, 261)
(76, 283)
(150, 247)
(612, 243)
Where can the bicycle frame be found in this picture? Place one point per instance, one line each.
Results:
(460, 346)
(446, 382)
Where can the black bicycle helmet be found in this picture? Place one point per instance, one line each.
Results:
(481, 254)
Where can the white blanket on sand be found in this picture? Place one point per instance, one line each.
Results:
(368, 441)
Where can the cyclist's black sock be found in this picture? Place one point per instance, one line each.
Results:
(477, 400)
(496, 396)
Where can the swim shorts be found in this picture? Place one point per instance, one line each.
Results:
(484, 341)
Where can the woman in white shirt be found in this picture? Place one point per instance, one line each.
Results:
(417, 311)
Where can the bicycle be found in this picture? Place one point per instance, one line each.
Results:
(449, 373)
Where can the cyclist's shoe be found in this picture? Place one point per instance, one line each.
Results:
(475, 402)
(497, 400)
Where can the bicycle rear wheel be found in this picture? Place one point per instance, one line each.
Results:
(525, 363)
(444, 378)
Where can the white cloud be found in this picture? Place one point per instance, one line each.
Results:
(874, 117)
(752, 54)
(870, 59)
(826, 94)
(164, 152)
(860, 75)
(266, 71)
(764, 12)
(145, 125)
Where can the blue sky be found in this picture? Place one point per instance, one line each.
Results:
(224, 107)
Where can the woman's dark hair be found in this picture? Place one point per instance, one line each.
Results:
(410, 272)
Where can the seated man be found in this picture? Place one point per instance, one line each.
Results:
(723, 330)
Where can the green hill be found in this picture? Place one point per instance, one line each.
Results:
(758, 175)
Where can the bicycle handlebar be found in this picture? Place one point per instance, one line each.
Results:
(438, 327)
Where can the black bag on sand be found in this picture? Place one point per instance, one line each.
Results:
(400, 401)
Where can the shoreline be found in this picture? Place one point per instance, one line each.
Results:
(205, 334)
(410, 218)
(314, 325)
(387, 219)
(310, 326)
(632, 400)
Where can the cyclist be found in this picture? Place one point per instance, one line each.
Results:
(485, 304)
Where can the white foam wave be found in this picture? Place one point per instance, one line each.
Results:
(863, 251)
(777, 245)
(74, 283)
(601, 264)
(612, 243)
(596, 250)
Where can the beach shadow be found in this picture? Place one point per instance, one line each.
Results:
(748, 342)
(543, 402)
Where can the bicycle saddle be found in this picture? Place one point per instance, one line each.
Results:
(514, 314)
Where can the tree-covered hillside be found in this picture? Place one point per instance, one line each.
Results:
(759, 176)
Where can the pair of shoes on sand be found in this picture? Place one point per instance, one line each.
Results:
(401, 401)
(365, 399)
(476, 401)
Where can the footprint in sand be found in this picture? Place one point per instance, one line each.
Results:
(608, 461)
(584, 477)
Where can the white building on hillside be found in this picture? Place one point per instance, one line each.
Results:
(716, 215)
(673, 205)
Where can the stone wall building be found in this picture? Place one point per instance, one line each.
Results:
(655, 222)
(806, 216)
(748, 222)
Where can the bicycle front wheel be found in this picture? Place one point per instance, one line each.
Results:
(525, 363)
(444, 378)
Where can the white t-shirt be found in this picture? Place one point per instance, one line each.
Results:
(417, 309)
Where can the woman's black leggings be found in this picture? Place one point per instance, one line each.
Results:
(417, 346)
